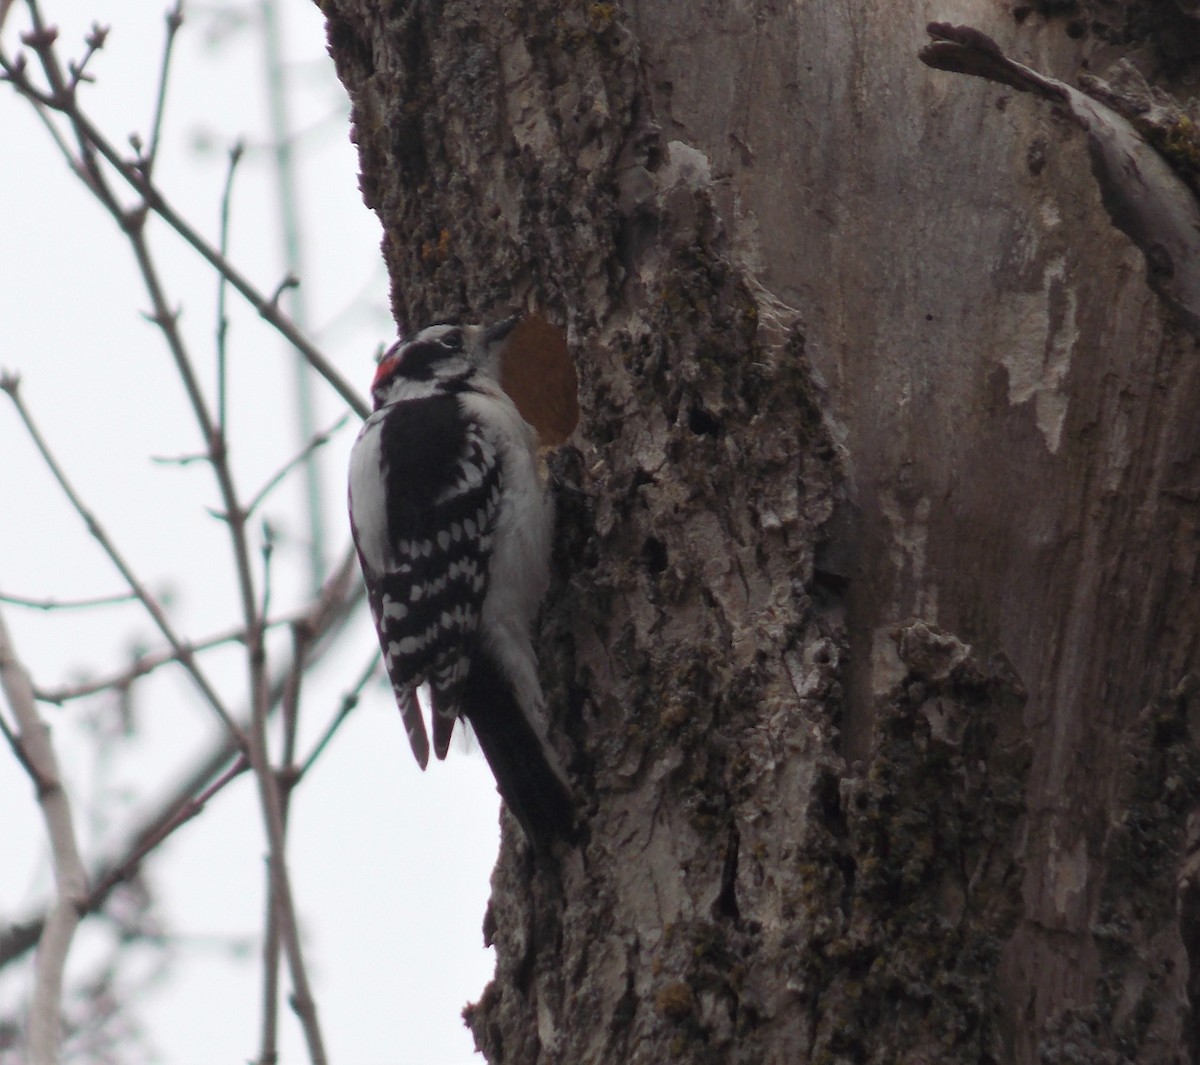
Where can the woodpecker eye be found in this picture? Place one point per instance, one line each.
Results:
(452, 341)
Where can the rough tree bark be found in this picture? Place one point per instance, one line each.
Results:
(872, 642)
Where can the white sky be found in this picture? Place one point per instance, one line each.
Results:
(390, 866)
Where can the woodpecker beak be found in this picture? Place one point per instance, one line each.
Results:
(496, 333)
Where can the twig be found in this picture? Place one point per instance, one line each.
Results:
(9, 385)
(167, 320)
(235, 517)
(289, 705)
(290, 281)
(41, 40)
(281, 905)
(68, 604)
(94, 41)
(180, 460)
(280, 892)
(268, 552)
(324, 620)
(268, 1053)
(70, 880)
(235, 156)
(282, 925)
(287, 204)
(286, 781)
(317, 441)
(147, 841)
(144, 665)
(349, 702)
(43, 113)
(61, 100)
(174, 19)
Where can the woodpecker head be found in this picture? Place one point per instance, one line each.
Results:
(439, 354)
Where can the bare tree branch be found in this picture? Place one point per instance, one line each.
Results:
(10, 386)
(174, 19)
(69, 877)
(18, 750)
(319, 440)
(286, 779)
(287, 204)
(143, 665)
(92, 162)
(342, 594)
(280, 893)
(62, 99)
(146, 842)
(67, 604)
(42, 41)
(236, 517)
(235, 156)
(282, 902)
(94, 41)
(349, 702)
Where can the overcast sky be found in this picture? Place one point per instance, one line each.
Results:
(390, 866)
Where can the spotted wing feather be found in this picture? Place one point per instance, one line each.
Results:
(442, 483)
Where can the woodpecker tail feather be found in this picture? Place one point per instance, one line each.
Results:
(524, 765)
(414, 723)
(445, 695)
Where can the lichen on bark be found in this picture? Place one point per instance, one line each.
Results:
(930, 891)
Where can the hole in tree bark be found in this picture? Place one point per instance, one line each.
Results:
(654, 554)
(702, 423)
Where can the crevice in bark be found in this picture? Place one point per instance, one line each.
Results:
(726, 905)
(702, 423)
(654, 555)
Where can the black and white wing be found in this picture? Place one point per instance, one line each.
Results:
(424, 497)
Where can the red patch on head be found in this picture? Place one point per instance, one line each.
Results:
(386, 366)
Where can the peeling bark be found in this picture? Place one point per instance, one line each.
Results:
(876, 582)
(1143, 195)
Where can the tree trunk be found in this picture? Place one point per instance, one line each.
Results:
(871, 639)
